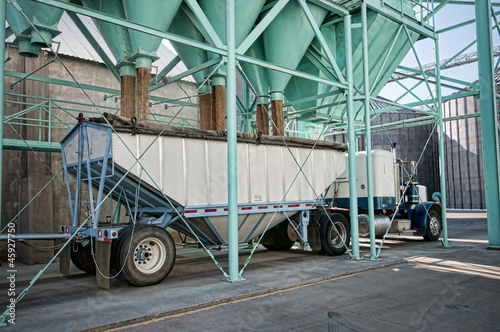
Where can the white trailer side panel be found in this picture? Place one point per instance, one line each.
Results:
(193, 172)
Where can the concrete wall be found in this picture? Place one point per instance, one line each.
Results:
(26, 173)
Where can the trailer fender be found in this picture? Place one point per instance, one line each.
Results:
(419, 215)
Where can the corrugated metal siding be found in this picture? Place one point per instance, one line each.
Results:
(464, 156)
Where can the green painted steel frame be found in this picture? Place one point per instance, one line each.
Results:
(489, 120)
(235, 53)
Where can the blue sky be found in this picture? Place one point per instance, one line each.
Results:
(450, 43)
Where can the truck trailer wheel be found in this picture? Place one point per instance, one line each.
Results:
(334, 240)
(434, 226)
(151, 256)
(116, 249)
(82, 258)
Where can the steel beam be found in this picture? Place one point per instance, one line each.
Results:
(351, 134)
(368, 133)
(489, 123)
(90, 87)
(322, 40)
(263, 24)
(39, 146)
(442, 161)
(168, 68)
(232, 167)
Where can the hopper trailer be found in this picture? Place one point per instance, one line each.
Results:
(289, 189)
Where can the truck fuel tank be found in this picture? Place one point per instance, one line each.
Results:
(382, 223)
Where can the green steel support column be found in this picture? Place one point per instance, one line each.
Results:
(489, 123)
(353, 195)
(232, 172)
(368, 133)
(2, 67)
(442, 167)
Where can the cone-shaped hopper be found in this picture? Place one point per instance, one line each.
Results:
(259, 79)
(299, 88)
(285, 41)
(118, 41)
(382, 33)
(258, 76)
(246, 13)
(37, 30)
(183, 25)
(115, 36)
(155, 14)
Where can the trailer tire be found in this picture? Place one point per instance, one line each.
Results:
(116, 248)
(331, 241)
(151, 258)
(434, 226)
(82, 258)
(278, 237)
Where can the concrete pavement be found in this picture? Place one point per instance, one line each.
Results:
(416, 286)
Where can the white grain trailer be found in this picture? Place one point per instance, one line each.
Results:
(171, 177)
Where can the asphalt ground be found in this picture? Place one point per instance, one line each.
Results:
(416, 286)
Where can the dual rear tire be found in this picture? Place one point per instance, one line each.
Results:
(143, 255)
(335, 234)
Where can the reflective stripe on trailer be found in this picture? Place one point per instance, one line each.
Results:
(213, 211)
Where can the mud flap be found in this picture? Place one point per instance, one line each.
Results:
(64, 260)
(313, 236)
(103, 260)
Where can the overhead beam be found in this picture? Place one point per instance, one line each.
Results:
(38, 146)
(90, 87)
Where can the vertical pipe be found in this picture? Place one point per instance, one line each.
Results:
(368, 133)
(351, 135)
(232, 174)
(442, 164)
(489, 123)
(2, 72)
